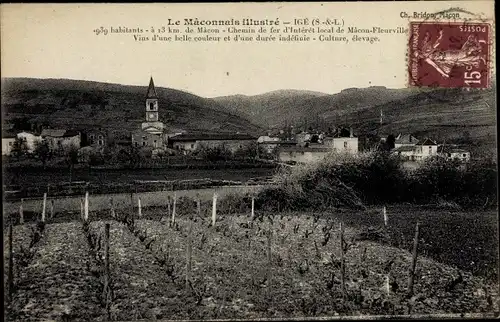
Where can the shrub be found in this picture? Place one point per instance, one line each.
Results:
(378, 178)
(215, 153)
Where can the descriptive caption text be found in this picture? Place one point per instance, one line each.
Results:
(197, 30)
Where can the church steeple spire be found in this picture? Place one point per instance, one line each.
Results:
(151, 90)
(151, 103)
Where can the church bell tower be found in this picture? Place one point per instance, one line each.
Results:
(151, 103)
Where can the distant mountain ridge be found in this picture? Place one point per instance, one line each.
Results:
(441, 113)
(120, 108)
(275, 109)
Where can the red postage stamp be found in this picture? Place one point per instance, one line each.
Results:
(448, 54)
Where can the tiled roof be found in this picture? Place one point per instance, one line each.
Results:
(303, 149)
(57, 133)
(406, 139)
(451, 149)
(53, 132)
(427, 141)
(404, 149)
(8, 134)
(211, 137)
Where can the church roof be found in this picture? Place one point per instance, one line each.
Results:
(151, 89)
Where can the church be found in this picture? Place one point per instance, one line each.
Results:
(151, 134)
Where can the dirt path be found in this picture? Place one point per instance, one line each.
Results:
(121, 200)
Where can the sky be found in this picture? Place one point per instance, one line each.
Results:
(58, 41)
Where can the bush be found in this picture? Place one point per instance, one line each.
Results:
(378, 178)
(216, 153)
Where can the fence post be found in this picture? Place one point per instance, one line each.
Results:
(139, 208)
(269, 244)
(189, 253)
(198, 206)
(253, 207)
(132, 203)
(342, 260)
(21, 212)
(81, 208)
(112, 205)
(11, 265)
(173, 208)
(168, 206)
(86, 209)
(106, 262)
(214, 209)
(52, 208)
(411, 277)
(384, 212)
(44, 205)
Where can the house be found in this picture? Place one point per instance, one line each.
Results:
(96, 137)
(30, 139)
(417, 152)
(425, 149)
(268, 143)
(453, 153)
(187, 143)
(299, 154)
(60, 139)
(8, 139)
(342, 141)
(405, 140)
(151, 134)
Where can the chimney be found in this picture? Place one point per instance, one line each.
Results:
(350, 132)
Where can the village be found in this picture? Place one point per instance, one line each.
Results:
(154, 139)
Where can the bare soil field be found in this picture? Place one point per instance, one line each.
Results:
(286, 265)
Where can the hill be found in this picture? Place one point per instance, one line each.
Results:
(460, 116)
(81, 104)
(300, 108)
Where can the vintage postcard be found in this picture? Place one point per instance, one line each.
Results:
(249, 161)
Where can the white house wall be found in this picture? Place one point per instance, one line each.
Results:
(7, 144)
(344, 145)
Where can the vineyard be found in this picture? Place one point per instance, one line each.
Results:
(190, 261)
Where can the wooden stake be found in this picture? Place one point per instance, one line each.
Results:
(214, 209)
(44, 206)
(253, 207)
(112, 205)
(269, 243)
(168, 205)
(21, 212)
(189, 253)
(198, 206)
(342, 260)
(173, 209)
(384, 212)
(11, 265)
(81, 208)
(106, 261)
(139, 208)
(411, 277)
(386, 285)
(52, 208)
(86, 207)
